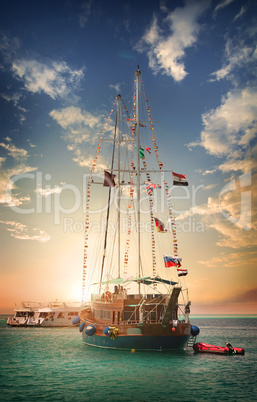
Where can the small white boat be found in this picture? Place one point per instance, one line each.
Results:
(56, 314)
(24, 314)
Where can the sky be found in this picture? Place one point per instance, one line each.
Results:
(62, 64)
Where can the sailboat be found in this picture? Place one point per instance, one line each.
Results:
(132, 269)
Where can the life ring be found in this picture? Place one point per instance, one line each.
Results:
(108, 296)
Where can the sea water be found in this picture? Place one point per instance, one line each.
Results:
(53, 364)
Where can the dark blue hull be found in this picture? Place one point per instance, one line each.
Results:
(157, 343)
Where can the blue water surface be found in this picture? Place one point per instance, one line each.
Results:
(54, 365)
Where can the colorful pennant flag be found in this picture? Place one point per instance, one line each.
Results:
(151, 186)
(141, 152)
(159, 226)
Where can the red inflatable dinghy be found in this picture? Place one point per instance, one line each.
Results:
(226, 350)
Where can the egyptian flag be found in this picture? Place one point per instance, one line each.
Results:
(182, 272)
(159, 226)
(170, 261)
(179, 179)
(109, 179)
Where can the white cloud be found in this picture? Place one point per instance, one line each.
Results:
(9, 47)
(239, 53)
(82, 128)
(222, 4)
(48, 191)
(20, 231)
(232, 260)
(232, 213)
(229, 130)
(14, 152)
(209, 187)
(165, 53)
(232, 236)
(87, 161)
(238, 165)
(241, 12)
(212, 207)
(86, 12)
(73, 117)
(31, 145)
(232, 123)
(15, 98)
(2, 160)
(55, 79)
(20, 157)
(15, 201)
(116, 87)
(6, 185)
(210, 171)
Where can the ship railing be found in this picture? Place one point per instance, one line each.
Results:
(129, 322)
(108, 298)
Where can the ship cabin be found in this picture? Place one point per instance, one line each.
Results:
(118, 307)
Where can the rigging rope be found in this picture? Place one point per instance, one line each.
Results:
(160, 164)
(90, 181)
(131, 193)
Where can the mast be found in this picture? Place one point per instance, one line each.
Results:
(119, 119)
(108, 210)
(137, 74)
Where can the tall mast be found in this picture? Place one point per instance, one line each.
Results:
(108, 209)
(138, 73)
(119, 119)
